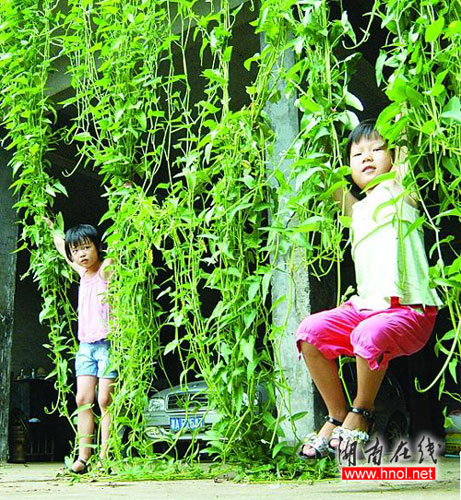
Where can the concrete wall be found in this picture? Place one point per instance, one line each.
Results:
(291, 281)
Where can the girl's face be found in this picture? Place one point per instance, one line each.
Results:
(85, 254)
(368, 159)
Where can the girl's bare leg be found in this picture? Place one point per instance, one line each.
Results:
(324, 373)
(106, 388)
(85, 419)
(368, 384)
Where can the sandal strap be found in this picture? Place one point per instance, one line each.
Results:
(350, 435)
(82, 461)
(367, 414)
(333, 420)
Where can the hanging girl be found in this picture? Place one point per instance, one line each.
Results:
(81, 248)
(394, 311)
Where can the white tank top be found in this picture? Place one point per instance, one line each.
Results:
(389, 260)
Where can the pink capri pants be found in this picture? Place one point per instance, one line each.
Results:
(377, 336)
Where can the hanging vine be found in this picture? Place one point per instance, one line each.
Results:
(424, 84)
(195, 215)
(28, 115)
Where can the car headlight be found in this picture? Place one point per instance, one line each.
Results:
(256, 400)
(155, 432)
(156, 404)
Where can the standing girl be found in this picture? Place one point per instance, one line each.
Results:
(81, 249)
(394, 311)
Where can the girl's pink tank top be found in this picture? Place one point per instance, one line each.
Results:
(93, 310)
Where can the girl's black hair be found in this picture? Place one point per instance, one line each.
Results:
(80, 234)
(365, 129)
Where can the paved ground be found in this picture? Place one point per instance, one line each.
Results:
(38, 482)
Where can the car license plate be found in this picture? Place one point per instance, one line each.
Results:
(190, 423)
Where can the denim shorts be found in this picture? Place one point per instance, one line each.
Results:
(93, 358)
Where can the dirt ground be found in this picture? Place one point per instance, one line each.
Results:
(38, 481)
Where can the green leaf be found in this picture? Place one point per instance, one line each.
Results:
(310, 224)
(48, 310)
(454, 104)
(59, 187)
(436, 90)
(380, 62)
(433, 30)
(50, 191)
(415, 225)
(337, 185)
(83, 136)
(227, 55)
(452, 367)
(349, 118)
(450, 335)
(353, 101)
(215, 76)
(429, 127)
(171, 346)
(387, 115)
(299, 416)
(248, 62)
(249, 317)
(142, 120)
(454, 28)
(345, 220)
(82, 408)
(452, 166)
(400, 91)
(253, 290)
(278, 447)
(452, 115)
(452, 110)
(308, 104)
(266, 282)
(381, 178)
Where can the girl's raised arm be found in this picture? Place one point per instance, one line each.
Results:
(60, 247)
(400, 168)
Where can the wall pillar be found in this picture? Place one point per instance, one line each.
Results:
(292, 281)
(8, 243)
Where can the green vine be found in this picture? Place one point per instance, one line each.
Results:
(196, 218)
(27, 33)
(425, 58)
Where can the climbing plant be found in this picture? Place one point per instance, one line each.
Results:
(198, 203)
(26, 62)
(419, 70)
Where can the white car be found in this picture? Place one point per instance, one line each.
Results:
(183, 412)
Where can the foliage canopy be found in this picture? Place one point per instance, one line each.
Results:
(231, 205)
